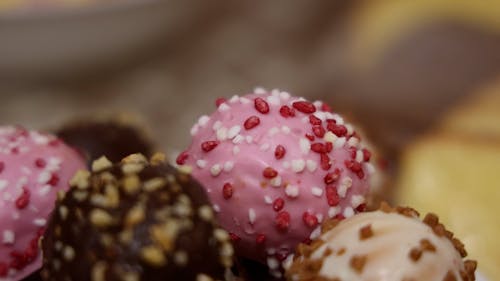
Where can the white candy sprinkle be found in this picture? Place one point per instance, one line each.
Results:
(44, 177)
(216, 208)
(286, 164)
(275, 92)
(223, 107)
(39, 138)
(339, 143)
(26, 170)
(319, 217)
(203, 120)
(333, 211)
(359, 156)
(234, 99)
(233, 132)
(344, 185)
(251, 216)
(236, 150)
(276, 181)
(272, 263)
(320, 115)
(217, 125)
(201, 163)
(284, 95)
(271, 251)
(298, 165)
(311, 165)
(215, 170)
(3, 184)
(316, 191)
(265, 146)
(9, 237)
(292, 191)
(316, 233)
(44, 190)
(228, 166)
(268, 200)
(244, 101)
(285, 129)
(238, 139)
(317, 103)
(305, 120)
(274, 99)
(40, 222)
(194, 130)
(353, 142)
(259, 91)
(222, 134)
(330, 137)
(249, 139)
(369, 168)
(305, 145)
(348, 212)
(357, 200)
(273, 131)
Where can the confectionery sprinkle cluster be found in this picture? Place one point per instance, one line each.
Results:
(275, 166)
(135, 220)
(388, 244)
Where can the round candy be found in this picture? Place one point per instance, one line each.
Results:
(33, 168)
(135, 220)
(389, 245)
(111, 137)
(275, 166)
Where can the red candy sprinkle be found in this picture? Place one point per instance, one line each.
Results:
(310, 137)
(328, 146)
(325, 162)
(54, 180)
(314, 120)
(286, 111)
(360, 174)
(2, 166)
(219, 101)
(366, 154)
(318, 147)
(24, 199)
(332, 177)
(227, 191)
(209, 145)
(282, 220)
(332, 196)
(278, 204)
(309, 219)
(261, 105)
(338, 130)
(260, 239)
(353, 165)
(361, 208)
(251, 122)
(234, 237)
(181, 159)
(318, 131)
(326, 107)
(269, 173)
(304, 106)
(279, 152)
(54, 142)
(40, 163)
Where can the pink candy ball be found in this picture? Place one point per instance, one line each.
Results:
(275, 166)
(33, 168)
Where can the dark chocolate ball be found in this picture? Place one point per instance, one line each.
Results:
(110, 137)
(134, 220)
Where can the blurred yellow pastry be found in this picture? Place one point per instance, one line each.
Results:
(455, 172)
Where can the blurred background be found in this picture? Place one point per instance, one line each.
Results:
(422, 78)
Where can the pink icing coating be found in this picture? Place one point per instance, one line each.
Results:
(33, 168)
(225, 151)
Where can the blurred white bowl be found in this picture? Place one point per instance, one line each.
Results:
(53, 41)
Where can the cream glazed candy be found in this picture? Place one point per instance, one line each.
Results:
(33, 168)
(385, 245)
(275, 166)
